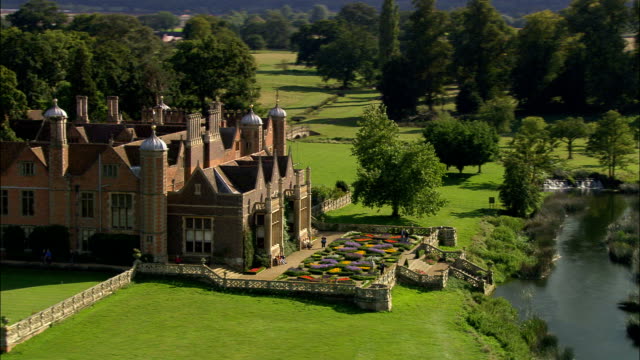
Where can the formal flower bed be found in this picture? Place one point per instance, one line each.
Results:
(256, 270)
(353, 258)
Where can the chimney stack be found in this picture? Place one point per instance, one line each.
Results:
(82, 109)
(113, 112)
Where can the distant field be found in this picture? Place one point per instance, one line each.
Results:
(176, 320)
(27, 291)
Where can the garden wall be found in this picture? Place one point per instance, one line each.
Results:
(331, 204)
(376, 298)
(23, 330)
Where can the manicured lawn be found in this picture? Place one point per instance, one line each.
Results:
(27, 291)
(170, 321)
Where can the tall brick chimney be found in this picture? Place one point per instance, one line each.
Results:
(113, 112)
(82, 109)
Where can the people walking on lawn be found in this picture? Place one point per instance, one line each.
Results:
(324, 241)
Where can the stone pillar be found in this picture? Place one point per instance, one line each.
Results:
(194, 153)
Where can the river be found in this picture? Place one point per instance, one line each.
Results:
(578, 299)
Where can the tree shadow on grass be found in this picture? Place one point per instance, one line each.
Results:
(339, 304)
(351, 121)
(304, 89)
(288, 72)
(21, 277)
(476, 213)
(362, 218)
(455, 179)
(413, 131)
(481, 186)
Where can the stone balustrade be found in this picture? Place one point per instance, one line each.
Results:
(436, 282)
(25, 329)
(331, 204)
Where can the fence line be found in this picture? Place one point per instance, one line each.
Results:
(25, 329)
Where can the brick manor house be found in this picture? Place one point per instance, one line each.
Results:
(185, 184)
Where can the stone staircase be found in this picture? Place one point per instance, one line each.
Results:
(231, 273)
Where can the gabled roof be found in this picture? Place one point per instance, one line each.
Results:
(26, 129)
(223, 183)
(83, 156)
(9, 152)
(242, 178)
(102, 133)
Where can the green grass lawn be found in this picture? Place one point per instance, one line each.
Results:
(27, 291)
(153, 320)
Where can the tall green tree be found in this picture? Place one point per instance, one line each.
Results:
(399, 88)
(429, 49)
(359, 14)
(499, 112)
(319, 12)
(349, 58)
(38, 15)
(612, 142)
(13, 102)
(462, 143)
(163, 20)
(569, 130)
(526, 166)
(403, 176)
(218, 65)
(607, 67)
(543, 46)
(310, 38)
(482, 49)
(388, 43)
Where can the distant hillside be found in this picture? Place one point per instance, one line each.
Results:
(513, 8)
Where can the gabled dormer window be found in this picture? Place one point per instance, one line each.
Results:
(27, 168)
(197, 189)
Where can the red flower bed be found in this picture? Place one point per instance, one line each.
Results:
(396, 237)
(255, 270)
(369, 235)
(307, 277)
(362, 240)
(391, 241)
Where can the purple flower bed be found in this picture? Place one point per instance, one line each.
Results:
(328, 261)
(347, 249)
(382, 246)
(376, 251)
(352, 244)
(353, 256)
(353, 268)
(322, 266)
(296, 270)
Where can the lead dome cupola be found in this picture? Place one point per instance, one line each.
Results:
(55, 111)
(251, 118)
(153, 142)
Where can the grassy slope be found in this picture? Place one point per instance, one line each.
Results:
(26, 291)
(199, 323)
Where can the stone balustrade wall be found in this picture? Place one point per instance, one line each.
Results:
(331, 204)
(25, 329)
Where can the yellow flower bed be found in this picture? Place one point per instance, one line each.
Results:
(391, 250)
(369, 245)
(364, 267)
(335, 270)
(346, 262)
(361, 252)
